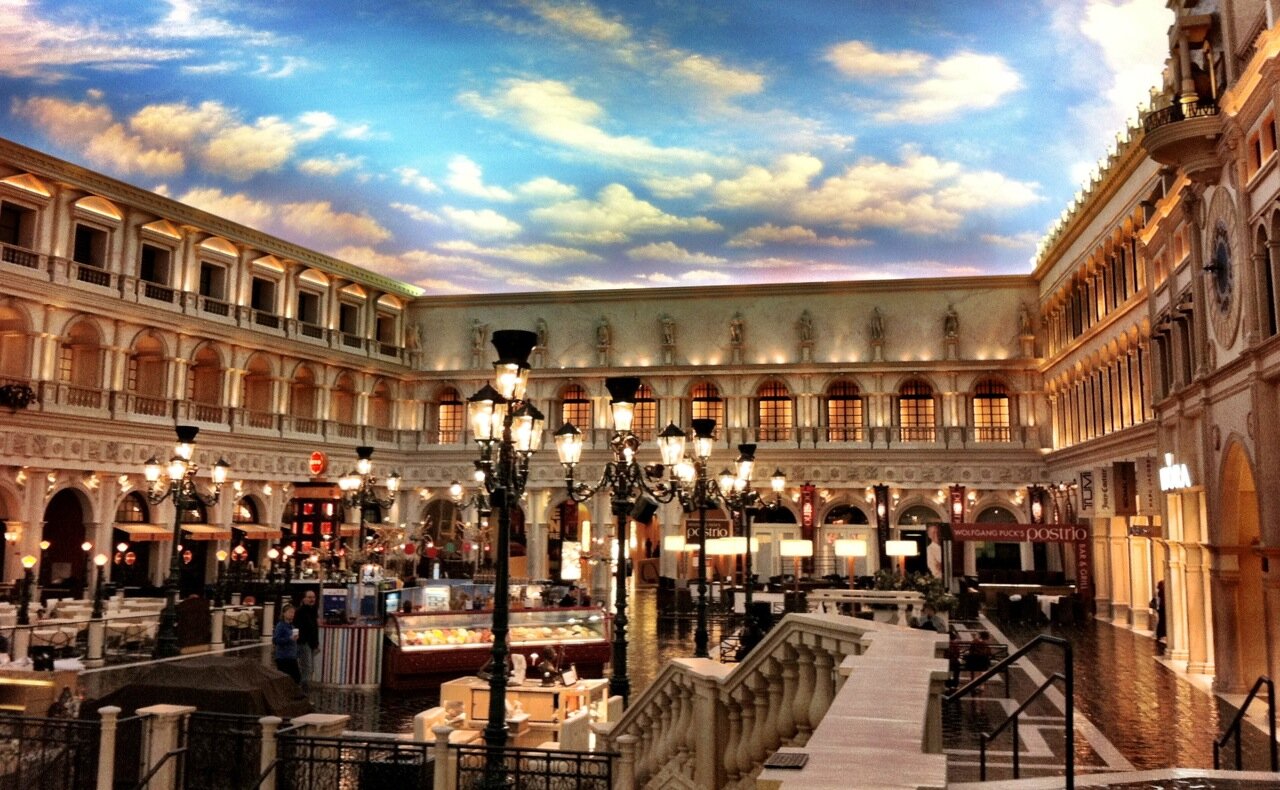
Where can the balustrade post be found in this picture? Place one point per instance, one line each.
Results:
(97, 637)
(219, 635)
(107, 747)
(21, 643)
(440, 750)
(163, 736)
(729, 759)
(764, 728)
(773, 736)
(746, 738)
(626, 778)
(709, 724)
(268, 621)
(823, 686)
(804, 692)
(790, 687)
(267, 755)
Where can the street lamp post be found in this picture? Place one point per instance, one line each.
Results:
(179, 481)
(698, 492)
(631, 495)
(28, 578)
(101, 562)
(508, 430)
(360, 489)
(737, 493)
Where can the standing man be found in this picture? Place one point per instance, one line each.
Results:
(307, 622)
(933, 554)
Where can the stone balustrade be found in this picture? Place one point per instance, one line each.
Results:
(902, 600)
(703, 724)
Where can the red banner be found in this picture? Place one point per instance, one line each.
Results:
(1033, 533)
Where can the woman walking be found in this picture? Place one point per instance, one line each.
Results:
(284, 640)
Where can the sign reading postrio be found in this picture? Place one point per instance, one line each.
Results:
(1033, 533)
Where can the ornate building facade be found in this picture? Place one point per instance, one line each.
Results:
(1144, 337)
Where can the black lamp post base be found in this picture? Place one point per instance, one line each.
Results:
(167, 636)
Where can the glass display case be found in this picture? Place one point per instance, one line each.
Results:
(424, 649)
(529, 627)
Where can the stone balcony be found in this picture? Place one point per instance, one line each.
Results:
(1186, 135)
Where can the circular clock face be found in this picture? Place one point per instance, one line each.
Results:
(1220, 267)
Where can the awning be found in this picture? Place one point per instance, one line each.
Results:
(349, 530)
(143, 532)
(258, 531)
(206, 532)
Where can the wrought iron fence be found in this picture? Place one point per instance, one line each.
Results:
(314, 763)
(223, 751)
(537, 769)
(48, 754)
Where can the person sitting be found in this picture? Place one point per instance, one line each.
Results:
(978, 656)
(928, 620)
(955, 650)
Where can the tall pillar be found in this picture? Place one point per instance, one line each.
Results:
(1197, 611)
(1227, 667)
(1102, 568)
(536, 534)
(1140, 584)
(1121, 602)
(1271, 612)
(1200, 316)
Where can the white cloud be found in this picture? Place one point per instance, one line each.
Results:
(550, 110)
(670, 252)
(703, 277)
(545, 188)
(483, 222)
(925, 89)
(858, 59)
(186, 20)
(534, 254)
(418, 213)
(92, 128)
(614, 216)
(581, 20)
(758, 186)
(411, 263)
(286, 67)
(465, 176)
(314, 222)
(332, 166)
(671, 187)
(31, 46)
(410, 176)
(710, 74)
(1026, 240)
(794, 235)
(221, 67)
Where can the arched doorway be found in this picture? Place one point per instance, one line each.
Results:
(62, 565)
(1242, 606)
(991, 557)
(913, 525)
(770, 528)
(844, 522)
(567, 540)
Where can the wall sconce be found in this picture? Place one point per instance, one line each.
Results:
(20, 478)
(125, 484)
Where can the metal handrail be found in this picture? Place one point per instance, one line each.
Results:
(1234, 727)
(146, 780)
(1068, 677)
(271, 767)
(987, 737)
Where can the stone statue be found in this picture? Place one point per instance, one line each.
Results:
(951, 323)
(877, 325)
(413, 337)
(541, 329)
(735, 329)
(479, 334)
(806, 327)
(1024, 321)
(604, 335)
(668, 330)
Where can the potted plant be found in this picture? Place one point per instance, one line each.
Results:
(17, 396)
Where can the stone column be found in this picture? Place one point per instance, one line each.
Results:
(1225, 581)
(1140, 583)
(1101, 569)
(267, 753)
(107, 747)
(1121, 603)
(97, 637)
(1198, 622)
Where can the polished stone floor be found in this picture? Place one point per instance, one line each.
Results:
(1132, 712)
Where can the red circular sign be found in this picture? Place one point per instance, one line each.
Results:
(317, 463)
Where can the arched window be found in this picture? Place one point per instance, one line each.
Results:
(449, 417)
(146, 371)
(204, 379)
(773, 412)
(344, 400)
(195, 515)
(844, 412)
(302, 394)
(575, 407)
(80, 356)
(15, 345)
(705, 403)
(132, 510)
(257, 386)
(645, 420)
(991, 419)
(380, 406)
(245, 511)
(916, 412)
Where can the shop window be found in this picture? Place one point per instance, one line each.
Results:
(916, 416)
(706, 403)
(449, 411)
(991, 418)
(773, 412)
(575, 407)
(645, 419)
(844, 412)
(132, 510)
(245, 512)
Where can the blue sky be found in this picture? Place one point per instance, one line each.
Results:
(515, 145)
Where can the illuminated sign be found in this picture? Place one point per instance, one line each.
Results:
(1174, 477)
(317, 462)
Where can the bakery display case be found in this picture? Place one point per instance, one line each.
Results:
(424, 648)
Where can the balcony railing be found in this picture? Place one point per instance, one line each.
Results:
(384, 435)
(19, 256)
(844, 434)
(216, 306)
(80, 397)
(346, 430)
(160, 293)
(94, 275)
(918, 433)
(305, 424)
(352, 341)
(149, 406)
(269, 320)
(262, 420)
(992, 433)
(311, 330)
(1177, 111)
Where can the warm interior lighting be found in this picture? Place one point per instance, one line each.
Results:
(778, 482)
(673, 543)
(795, 547)
(569, 444)
(122, 546)
(44, 545)
(86, 546)
(734, 545)
(850, 547)
(393, 482)
(29, 562)
(221, 555)
(746, 462)
(364, 462)
(704, 438)
(671, 444)
(220, 470)
(622, 400)
(901, 548)
(100, 560)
